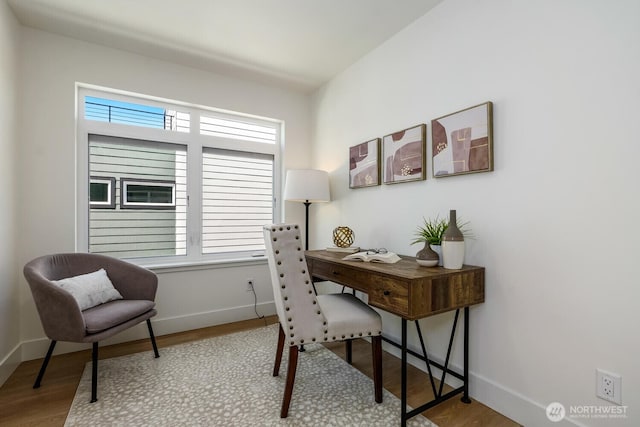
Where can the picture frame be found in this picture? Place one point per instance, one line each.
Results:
(404, 155)
(462, 142)
(364, 164)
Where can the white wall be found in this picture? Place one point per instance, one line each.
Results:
(51, 65)
(555, 223)
(9, 290)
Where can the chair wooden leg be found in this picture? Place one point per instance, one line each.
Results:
(276, 365)
(153, 339)
(291, 377)
(376, 351)
(45, 362)
(94, 373)
(349, 350)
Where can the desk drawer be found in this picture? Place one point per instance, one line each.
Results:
(384, 292)
(340, 274)
(389, 295)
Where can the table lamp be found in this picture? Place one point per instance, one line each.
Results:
(307, 186)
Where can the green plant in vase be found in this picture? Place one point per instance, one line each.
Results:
(430, 233)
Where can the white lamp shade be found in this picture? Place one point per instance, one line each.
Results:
(303, 185)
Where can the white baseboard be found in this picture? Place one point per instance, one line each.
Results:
(514, 405)
(509, 403)
(9, 364)
(36, 349)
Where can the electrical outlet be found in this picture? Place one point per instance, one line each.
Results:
(249, 285)
(609, 386)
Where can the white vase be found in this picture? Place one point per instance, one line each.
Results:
(453, 254)
(452, 244)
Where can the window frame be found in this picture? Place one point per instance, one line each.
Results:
(124, 197)
(195, 144)
(111, 191)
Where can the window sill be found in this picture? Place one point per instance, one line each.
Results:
(205, 265)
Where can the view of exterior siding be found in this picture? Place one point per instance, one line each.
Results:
(138, 231)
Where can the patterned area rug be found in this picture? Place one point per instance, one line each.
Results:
(227, 381)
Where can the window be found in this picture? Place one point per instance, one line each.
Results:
(128, 113)
(149, 216)
(237, 200)
(237, 129)
(182, 183)
(102, 192)
(147, 194)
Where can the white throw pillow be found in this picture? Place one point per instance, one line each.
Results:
(90, 289)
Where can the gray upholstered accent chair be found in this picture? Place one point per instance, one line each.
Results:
(306, 317)
(61, 316)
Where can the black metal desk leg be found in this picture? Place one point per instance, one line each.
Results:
(403, 369)
(465, 393)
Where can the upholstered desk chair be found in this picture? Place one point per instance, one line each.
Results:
(306, 317)
(61, 314)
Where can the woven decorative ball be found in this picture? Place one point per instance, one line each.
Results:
(343, 237)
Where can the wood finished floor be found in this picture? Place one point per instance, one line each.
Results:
(21, 405)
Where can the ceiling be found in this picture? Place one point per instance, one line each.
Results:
(297, 43)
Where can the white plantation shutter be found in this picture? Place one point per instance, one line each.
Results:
(237, 200)
(238, 129)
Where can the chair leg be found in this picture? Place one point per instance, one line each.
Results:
(45, 362)
(153, 339)
(349, 350)
(276, 365)
(291, 377)
(94, 373)
(376, 351)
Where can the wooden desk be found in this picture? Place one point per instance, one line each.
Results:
(411, 292)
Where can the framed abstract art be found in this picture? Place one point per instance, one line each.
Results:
(462, 142)
(364, 164)
(404, 155)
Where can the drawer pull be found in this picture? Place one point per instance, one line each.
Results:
(386, 293)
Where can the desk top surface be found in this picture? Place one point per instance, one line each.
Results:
(406, 268)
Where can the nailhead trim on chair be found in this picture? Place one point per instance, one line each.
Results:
(285, 296)
(284, 287)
